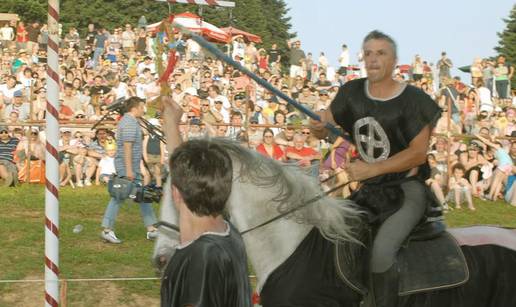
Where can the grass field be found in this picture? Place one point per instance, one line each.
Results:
(84, 255)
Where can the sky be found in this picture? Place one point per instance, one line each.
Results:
(465, 29)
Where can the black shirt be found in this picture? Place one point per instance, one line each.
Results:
(380, 130)
(401, 118)
(273, 55)
(210, 272)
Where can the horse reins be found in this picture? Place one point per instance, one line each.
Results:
(282, 215)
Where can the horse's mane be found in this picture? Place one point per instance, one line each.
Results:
(336, 219)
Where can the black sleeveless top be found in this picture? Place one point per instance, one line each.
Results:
(380, 129)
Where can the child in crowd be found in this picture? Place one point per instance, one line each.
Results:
(106, 166)
(459, 187)
(503, 166)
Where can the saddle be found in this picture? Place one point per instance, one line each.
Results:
(431, 259)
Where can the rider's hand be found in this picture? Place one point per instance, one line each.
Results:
(360, 170)
(319, 124)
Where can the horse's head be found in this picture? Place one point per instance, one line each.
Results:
(261, 190)
(168, 237)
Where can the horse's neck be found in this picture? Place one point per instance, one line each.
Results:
(269, 246)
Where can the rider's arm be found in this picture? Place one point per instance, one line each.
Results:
(172, 113)
(409, 158)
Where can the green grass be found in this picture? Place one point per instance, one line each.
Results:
(84, 255)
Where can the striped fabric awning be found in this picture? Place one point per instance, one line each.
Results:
(202, 2)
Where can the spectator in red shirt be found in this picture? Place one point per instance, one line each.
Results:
(301, 154)
(270, 149)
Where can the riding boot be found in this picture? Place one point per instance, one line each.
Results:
(386, 287)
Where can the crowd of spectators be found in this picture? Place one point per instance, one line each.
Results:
(472, 153)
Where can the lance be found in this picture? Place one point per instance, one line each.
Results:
(221, 56)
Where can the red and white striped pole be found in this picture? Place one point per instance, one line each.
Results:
(52, 164)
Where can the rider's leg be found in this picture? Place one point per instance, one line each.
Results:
(389, 239)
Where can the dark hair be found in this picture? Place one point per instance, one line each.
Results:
(382, 36)
(458, 166)
(268, 130)
(215, 88)
(133, 102)
(202, 171)
(276, 114)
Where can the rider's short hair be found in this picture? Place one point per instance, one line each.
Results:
(378, 35)
(202, 171)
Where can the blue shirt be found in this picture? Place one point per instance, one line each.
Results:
(101, 40)
(503, 157)
(128, 130)
(7, 149)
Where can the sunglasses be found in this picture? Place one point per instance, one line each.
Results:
(4, 132)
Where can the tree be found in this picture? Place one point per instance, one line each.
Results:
(266, 18)
(507, 43)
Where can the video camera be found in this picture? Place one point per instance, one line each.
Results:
(118, 106)
(122, 188)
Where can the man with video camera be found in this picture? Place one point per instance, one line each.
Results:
(127, 165)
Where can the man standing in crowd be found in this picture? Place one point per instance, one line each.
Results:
(90, 35)
(297, 58)
(273, 57)
(129, 154)
(101, 43)
(8, 170)
(444, 65)
(33, 34)
(344, 60)
(6, 36)
(395, 163)
(128, 39)
(209, 266)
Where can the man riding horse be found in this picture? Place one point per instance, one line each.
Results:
(390, 123)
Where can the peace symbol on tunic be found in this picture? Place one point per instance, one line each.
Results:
(374, 138)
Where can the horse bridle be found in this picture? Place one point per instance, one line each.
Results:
(281, 215)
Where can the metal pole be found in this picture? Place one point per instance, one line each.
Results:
(52, 165)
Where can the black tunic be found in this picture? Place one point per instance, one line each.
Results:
(399, 120)
(210, 272)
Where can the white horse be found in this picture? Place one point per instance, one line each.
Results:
(263, 189)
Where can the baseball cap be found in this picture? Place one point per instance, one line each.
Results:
(3, 128)
(18, 93)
